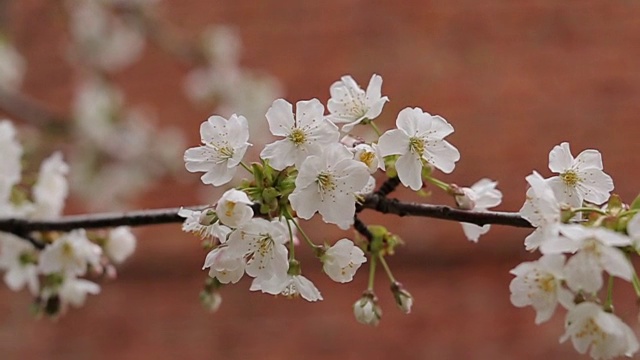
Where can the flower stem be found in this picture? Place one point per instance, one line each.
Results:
(608, 304)
(292, 246)
(372, 273)
(375, 128)
(636, 284)
(246, 167)
(589, 209)
(386, 268)
(289, 217)
(441, 184)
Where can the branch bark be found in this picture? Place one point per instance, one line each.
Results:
(374, 202)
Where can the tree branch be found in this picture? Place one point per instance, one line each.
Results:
(21, 227)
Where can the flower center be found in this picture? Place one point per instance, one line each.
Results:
(570, 177)
(416, 145)
(226, 152)
(546, 283)
(592, 330)
(297, 136)
(367, 158)
(265, 244)
(229, 206)
(325, 181)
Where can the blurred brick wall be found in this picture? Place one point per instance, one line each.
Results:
(514, 78)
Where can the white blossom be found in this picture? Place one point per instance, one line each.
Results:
(479, 197)
(633, 229)
(74, 291)
(225, 142)
(224, 265)
(261, 242)
(120, 244)
(595, 250)
(603, 334)
(539, 284)
(103, 40)
(579, 179)
(12, 67)
(51, 189)
(326, 183)
(10, 166)
(368, 155)
(71, 253)
(341, 261)
(367, 311)
(350, 104)
(308, 133)
(289, 286)
(419, 138)
(234, 208)
(193, 224)
(19, 259)
(542, 210)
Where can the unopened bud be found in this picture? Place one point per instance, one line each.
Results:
(207, 217)
(465, 197)
(366, 309)
(403, 298)
(211, 300)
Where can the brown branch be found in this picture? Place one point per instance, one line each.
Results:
(21, 227)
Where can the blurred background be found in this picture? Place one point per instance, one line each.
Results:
(514, 78)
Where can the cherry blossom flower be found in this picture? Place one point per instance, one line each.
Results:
(579, 179)
(74, 291)
(603, 334)
(539, 284)
(70, 254)
(352, 105)
(19, 259)
(305, 134)
(51, 189)
(12, 66)
(419, 138)
(225, 142)
(223, 265)
(234, 208)
(479, 197)
(341, 261)
(10, 167)
(542, 210)
(193, 223)
(595, 251)
(366, 310)
(368, 155)
(326, 183)
(633, 229)
(261, 242)
(120, 244)
(289, 286)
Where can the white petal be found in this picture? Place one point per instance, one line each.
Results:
(393, 142)
(409, 169)
(560, 158)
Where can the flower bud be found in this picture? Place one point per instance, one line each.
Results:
(465, 197)
(403, 298)
(366, 309)
(211, 300)
(207, 217)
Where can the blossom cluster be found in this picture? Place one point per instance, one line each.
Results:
(315, 166)
(580, 239)
(51, 265)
